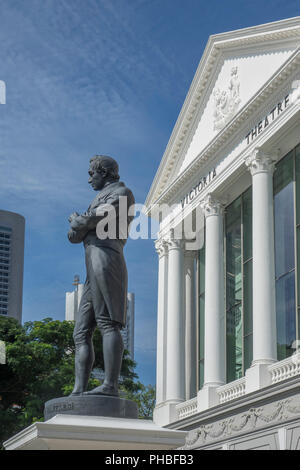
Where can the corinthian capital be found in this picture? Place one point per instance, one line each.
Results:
(161, 247)
(261, 162)
(211, 206)
(174, 243)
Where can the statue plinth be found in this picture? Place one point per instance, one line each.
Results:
(70, 432)
(91, 405)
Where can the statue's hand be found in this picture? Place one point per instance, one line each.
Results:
(73, 216)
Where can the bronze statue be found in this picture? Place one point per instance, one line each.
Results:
(104, 298)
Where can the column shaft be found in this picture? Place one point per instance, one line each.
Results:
(214, 345)
(175, 336)
(190, 322)
(161, 352)
(264, 307)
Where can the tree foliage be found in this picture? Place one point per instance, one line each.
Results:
(40, 366)
(144, 396)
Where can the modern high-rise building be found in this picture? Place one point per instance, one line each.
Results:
(12, 233)
(228, 356)
(73, 300)
(72, 305)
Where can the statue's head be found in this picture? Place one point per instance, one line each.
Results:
(102, 169)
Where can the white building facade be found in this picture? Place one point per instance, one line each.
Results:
(228, 362)
(12, 235)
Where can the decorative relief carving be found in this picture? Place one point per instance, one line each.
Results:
(255, 418)
(268, 90)
(226, 103)
(261, 162)
(211, 206)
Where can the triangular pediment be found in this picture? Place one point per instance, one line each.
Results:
(234, 67)
(237, 78)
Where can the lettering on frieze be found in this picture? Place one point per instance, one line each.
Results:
(198, 188)
(268, 119)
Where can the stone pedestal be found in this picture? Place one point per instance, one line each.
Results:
(207, 397)
(71, 432)
(91, 405)
(257, 376)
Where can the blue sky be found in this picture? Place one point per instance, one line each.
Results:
(97, 76)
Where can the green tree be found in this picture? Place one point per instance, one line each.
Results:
(144, 396)
(40, 366)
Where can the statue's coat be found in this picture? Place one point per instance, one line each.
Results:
(105, 264)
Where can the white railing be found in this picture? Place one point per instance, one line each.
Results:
(187, 408)
(232, 390)
(285, 369)
(278, 371)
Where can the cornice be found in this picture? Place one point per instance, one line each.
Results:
(229, 130)
(217, 44)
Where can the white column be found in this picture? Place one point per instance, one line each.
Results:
(214, 344)
(261, 166)
(162, 250)
(176, 326)
(170, 332)
(190, 325)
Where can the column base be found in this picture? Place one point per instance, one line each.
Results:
(208, 397)
(258, 376)
(165, 413)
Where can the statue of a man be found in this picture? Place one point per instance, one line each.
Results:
(104, 298)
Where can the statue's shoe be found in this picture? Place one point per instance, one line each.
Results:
(76, 394)
(103, 390)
